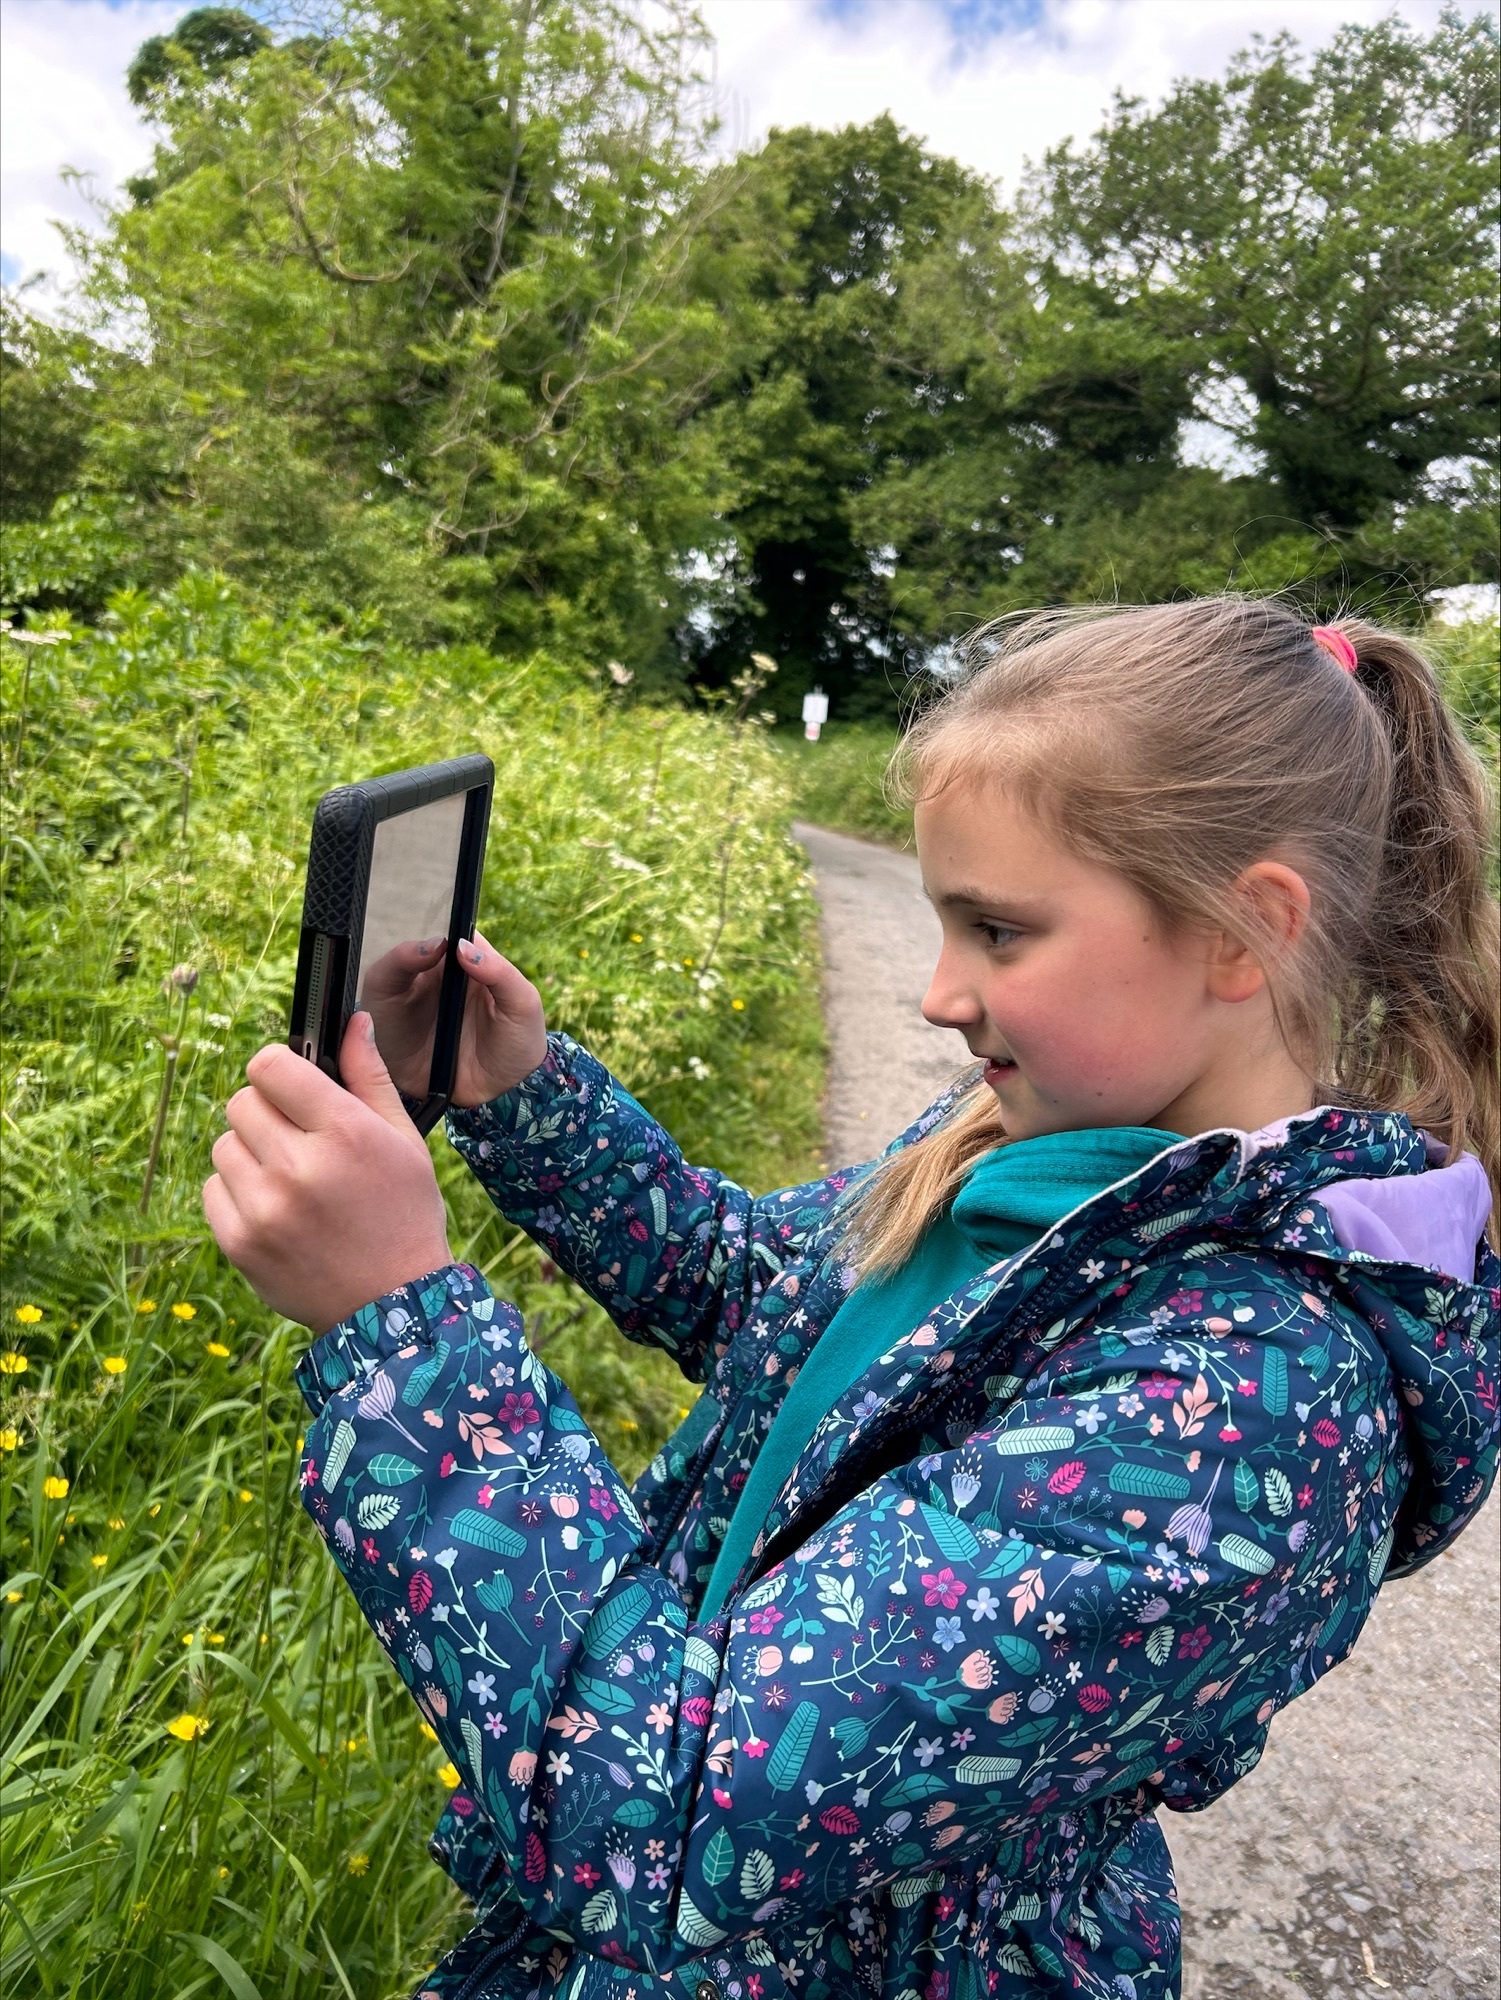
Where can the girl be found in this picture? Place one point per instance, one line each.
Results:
(1038, 1464)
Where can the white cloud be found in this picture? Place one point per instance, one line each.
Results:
(992, 101)
(63, 104)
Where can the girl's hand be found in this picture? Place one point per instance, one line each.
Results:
(504, 1035)
(324, 1198)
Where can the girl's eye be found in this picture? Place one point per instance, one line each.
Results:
(996, 934)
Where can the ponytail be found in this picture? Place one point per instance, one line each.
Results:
(1424, 1033)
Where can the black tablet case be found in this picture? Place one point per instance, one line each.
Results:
(333, 912)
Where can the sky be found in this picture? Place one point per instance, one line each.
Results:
(992, 82)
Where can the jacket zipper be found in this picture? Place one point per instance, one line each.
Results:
(472, 1988)
(797, 1532)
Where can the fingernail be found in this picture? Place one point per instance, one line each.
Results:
(476, 956)
(369, 1027)
(430, 944)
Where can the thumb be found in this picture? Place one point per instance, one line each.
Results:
(364, 1072)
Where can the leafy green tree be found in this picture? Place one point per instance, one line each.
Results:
(1325, 230)
(821, 395)
(421, 315)
(47, 398)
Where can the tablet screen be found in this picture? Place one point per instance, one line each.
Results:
(413, 867)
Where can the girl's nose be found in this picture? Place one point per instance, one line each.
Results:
(950, 1001)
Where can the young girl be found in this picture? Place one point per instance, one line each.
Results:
(1038, 1464)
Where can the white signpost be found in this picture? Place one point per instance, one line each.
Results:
(815, 713)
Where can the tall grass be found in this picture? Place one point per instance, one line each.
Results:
(211, 1781)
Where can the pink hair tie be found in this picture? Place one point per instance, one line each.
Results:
(1336, 645)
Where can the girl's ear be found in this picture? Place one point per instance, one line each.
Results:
(1277, 904)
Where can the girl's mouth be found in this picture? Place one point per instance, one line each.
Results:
(998, 1072)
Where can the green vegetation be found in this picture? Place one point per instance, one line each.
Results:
(444, 311)
(839, 781)
(158, 774)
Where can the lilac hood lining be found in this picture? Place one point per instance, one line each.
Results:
(1435, 1219)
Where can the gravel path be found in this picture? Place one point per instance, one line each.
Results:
(1360, 1856)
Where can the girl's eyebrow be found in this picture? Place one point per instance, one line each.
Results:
(966, 897)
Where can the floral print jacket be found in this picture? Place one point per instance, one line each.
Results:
(1055, 1560)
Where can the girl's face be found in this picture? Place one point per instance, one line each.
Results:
(1055, 971)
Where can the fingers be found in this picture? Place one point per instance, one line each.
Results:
(482, 962)
(262, 1129)
(236, 1167)
(296, 1087)
(405, 966)
(365, 1074)
(222, 1215)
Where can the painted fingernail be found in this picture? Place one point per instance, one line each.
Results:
(476, 956)
(369, 1027)
(430, 944)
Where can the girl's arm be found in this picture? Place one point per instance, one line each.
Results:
(1091, 1596)
(677, 1255)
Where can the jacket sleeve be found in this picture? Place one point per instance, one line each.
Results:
(1085, 1598)
(677, 1255)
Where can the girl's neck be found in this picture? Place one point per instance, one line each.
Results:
(1245, 1092)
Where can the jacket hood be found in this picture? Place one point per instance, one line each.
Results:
(1430, 1212)
(1405, 1224)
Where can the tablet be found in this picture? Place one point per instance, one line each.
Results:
(393, 882)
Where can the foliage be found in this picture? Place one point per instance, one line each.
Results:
(418, 322)
(440, 311)
(838, 781)
(158, 776)
(1324, 233)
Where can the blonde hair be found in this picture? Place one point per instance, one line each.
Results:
(1180, 743)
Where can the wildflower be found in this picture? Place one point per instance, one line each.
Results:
(635, 937)
(738, 1005)
(448, 1775)
(99, 1561)
(146, 1306)
(117, 1522)
(55, 1486)
(182, 1310)
(14, 1596)
(10, 1438)
(12, 1363)
(223, 1874)
(214, 1638)
(188, 1638)
(246, 1495)
(187, 1728)
(217, 1348)
(28, 1315)
(426, 1729)
(181, 979)
(359, 1864)
(114, 1364)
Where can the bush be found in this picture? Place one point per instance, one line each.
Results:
(837, 781)
(213, 1777)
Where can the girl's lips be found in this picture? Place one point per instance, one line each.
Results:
(997, 1072)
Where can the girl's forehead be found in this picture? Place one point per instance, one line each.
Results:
(979, 845)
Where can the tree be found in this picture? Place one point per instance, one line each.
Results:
(1326, 231)
(419, 301)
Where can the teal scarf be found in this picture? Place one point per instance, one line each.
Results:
(1011, 1197)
